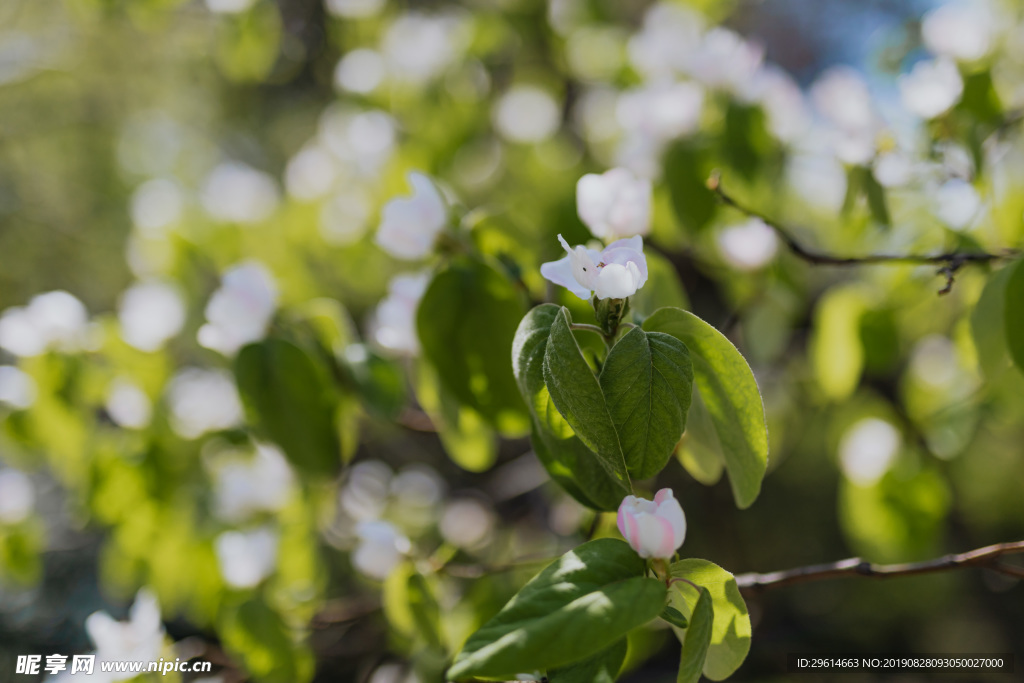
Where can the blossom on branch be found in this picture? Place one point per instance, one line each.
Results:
(653, 528)
(615, 273)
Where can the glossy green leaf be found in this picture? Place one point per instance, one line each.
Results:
(1014, 313)
(289, 399)
(380, 382)
(577, 606)
(730, 635)
(674, 617)
(601, 668)
(696, 640)
(730, 394)
(700, 450)
(465, 323)
(577, 395)
(467, 438)
(569, 462)
(647, 381)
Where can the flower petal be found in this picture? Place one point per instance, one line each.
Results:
(560, 273)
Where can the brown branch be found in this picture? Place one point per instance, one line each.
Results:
(986, 558)
(950, 262)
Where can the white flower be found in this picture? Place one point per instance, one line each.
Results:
(228, 6)
(661, 112)
(418, 47)
(150, 313)
(360, 71)
(956, 203)
(959, 30)
(355, 9)
(931, 88)
(51, 320)
(17, 496)
(749, 245)
(249, 485)
(614, 204)
(466, 522)
(156, 204)
(783, 103)
(202, 401)
(726, 60)
(237, 193)
(310, 174)
(141, 638)
(128, 405)
(365, 494)
(666, 44)
(842, 97)
(653, 528)
(238, 313)
(362, 140)
(345, 217)
(394, 321)
(17, 388)
(893, 169)
(246, 557)
(410, 226)
(380, 549)
(615, 273)
(867, 450)
(526, 114)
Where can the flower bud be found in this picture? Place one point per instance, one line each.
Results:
(653, 528)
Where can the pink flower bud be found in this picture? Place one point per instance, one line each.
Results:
(653, 528)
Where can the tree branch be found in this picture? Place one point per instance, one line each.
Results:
(987, 558)
(950, 262)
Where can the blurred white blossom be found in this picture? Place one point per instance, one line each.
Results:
(893, 169)
(17, 388)
(310, 174)
(726, 60)
(394, 321)
(229, 6)
(355, 9)
(128, 405)
(237, 193)
(961, 30)
(931, 88)
(246, 558)
(141, 638)
(842, 97)
(365, 493)
(526, 114)
(17, 496)
(155, 205)
(409, 226)
(956, 203)
(360, 71)
(466, 522)
(614, 204)
(362, 140)
(749, 245)
(867, 450)
(783, 102)
(248, 484)
(239, 312)
(419, 47)
(381, 547)
(345, 217)
(661, 112)
(51, 320)
(150, 313)
(203, 401)
(666, 43)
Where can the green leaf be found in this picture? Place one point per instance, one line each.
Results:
(603, 667)
(877, 204)
(989, 323)
(700, 450)
(467, 438)
(465, 323)
(577, 395)
(687, 167)
(730, 394)
(730, 635)
(380, 382)
(570, 463)
(1014, 313)
(696, 640)
(289, 399)
(647, 382)
(577, 606)
(674, 617)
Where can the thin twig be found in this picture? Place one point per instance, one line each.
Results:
(950, 262)
(986, 558)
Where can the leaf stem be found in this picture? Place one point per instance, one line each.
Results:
(592, 328)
